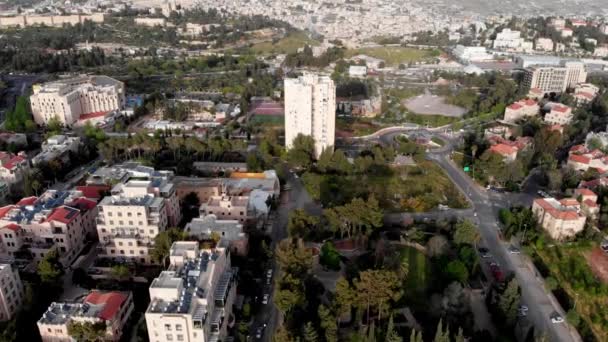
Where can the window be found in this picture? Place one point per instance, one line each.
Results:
(112, 251)
(130, 223)
(141, 252)
(121, 222)
(109, 213)
(169, 337)
(120, 214)
(180, 337)
(120, 243)
(131, 252)
(129, 214)
(178, 327)
(130, 243)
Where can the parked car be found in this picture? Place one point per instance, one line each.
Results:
(260, 331)
(513, 250)
(265, 299)
(557, 318)
(497, 272)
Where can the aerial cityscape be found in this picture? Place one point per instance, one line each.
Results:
(303, 171)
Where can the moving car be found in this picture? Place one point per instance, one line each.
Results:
(557, 318)
(265, 299)
(260, 331)
(513, 250)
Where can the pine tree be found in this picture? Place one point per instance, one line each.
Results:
(460, 336)
(371, 333)
(310, 333)
(416, 336)
(391, 333)
(440, 335)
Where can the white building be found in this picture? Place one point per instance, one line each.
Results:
(555, 79)
(192, 300)
(57, 147)
(112, 309)
(11, 292)
(142, 204)
(231, 231)
(357, 71)
(467, 54)
(69, 99)
(559, 115)
(521, 109)
(508, 39)
(544, 44)
(310, 109)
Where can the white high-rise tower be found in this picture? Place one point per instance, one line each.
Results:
(310, 109)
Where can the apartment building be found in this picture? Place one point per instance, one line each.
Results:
(581, 158)
(11, 292)
(69, 99)
(57, 147)
(559, 115)
(13, 168)
(226, 207)
(521, 109)
(512, 40)
(561, 219)
(468, 54)
(157, 182)
(112, 309)
(555, 79)
(231, 231)
(585, 93)
(192, 300)
(57, 220)
(310, 109)
(543, 44)
(508, 149)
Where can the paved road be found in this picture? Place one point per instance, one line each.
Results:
(485, 205)
(295, 198)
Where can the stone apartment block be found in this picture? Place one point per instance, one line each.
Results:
(561, 219)
(11, 292)
(555, 79)
(231, 231)
(559, 115)
(12, 168)
(521, 109)
(60, 220)
(112, 309)
(57, 147)
(70, 99)
(226, 207)
(192, 300)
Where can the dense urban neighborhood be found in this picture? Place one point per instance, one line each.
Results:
(316, 171)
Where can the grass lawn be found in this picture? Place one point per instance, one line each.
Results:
(416, 188)
(431, 120)
(354, 127)
(267, 121)
(418, 274)
(568, 265)
(394, 55)
(289, 44)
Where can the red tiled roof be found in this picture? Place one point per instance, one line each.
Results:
(564, 215)
(568, 201)
(14, 161)
(543, 203)
(503, 149)
(111, 302)
(560, 108)
(579, 159)
(92, 191)
(27, 201)
(585, 192)
(515, 106)
(5, 210)
(63, 214)
(83, 203)
(93, 115)
(578, 148)
(588, 202)
(529, 102)
(12, 226)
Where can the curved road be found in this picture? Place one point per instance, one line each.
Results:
(540, 302)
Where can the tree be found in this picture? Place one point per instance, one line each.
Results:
(391, 332)
(302, 152)
(87, 331)
(573, 318)
(551, 283)
(49, 268)
(456, 270)
(282, 335)
(437, 245)
(301, 223)
(508, 302)
(460, 336)
(293, 257)
(328, 323)
(466, 233)
(345, 296)
(416, 336)
(120, 272)
(329, 256)
(54, 126)
(163, 242)
(440, 335)
(310, 333)
(377, 288)
(290, 293)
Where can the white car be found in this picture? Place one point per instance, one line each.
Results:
(265, 299)
(556, 319)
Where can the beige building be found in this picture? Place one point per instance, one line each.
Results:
(69, 99)
(112, 309)
(50, 20)
(310, 109)
(151, 22)
(231, 231)
(559, 115)
(192, 300)
(226, 207)
(521, 109)
(12, 168)
(561, 219)
(11, 292)
(543, 44)
(57, 220)
(555, 79)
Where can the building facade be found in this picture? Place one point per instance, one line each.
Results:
(12, 168)
(204, 228)
(555, 79)
(561, 219)
(310, 109)
(112, 309)
(68, 99)
(11, 292)
(192, 300)
(521, 109)
(559, 115)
